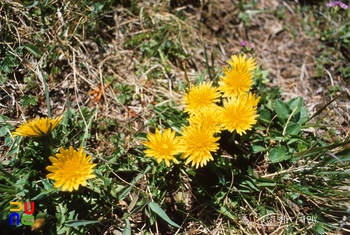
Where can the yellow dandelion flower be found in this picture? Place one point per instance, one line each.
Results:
(197, 144)
(238, 79)
(162, 146)
(37, 127)
(240, 63)
(201, 96)
(239, 113)
(235, 82)
(207, 118)
(70, 168)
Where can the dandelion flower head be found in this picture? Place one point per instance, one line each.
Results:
(162, 147)
(241, 63)
(239, 113)
(37, 127)
(201, 96)
(238, 78)
(207, 118)
(235, 82)
(70, 168)
(197, 144)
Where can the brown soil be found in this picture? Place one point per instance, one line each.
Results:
(277, 33)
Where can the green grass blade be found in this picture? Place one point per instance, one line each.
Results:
(77, 223)
(47, 98)
(127, 229)
(323, 108)
(132, 184)
(156, 209)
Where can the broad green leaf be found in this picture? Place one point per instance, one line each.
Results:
(295, 103)
(29, 100)
(282, 110)
(77, 223)
(41, 195)
(113, 191)
(304, 115)
(319, 228)
(3, 131)
(60, 215)
(3, 118)
(156, 209)
(34, 50)
(251, 185)
(122, 98)
(293, 129)
(278, 154)
(293, 140)
(96, 185)
(258, 147)
(47, 184)
(265, 116)
(228, 213)
(98, 7)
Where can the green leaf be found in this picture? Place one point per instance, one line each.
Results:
(319, 228)
(28, 100)
(7, 189)
(265, 116)
(3, 118)
(321, 149)
(295, 103)
(122, 98)
(98, 7)
(344, 155)
(293, 129)
(47, 184)
(156, 209)
(278, 154)
(7, 176)
(251, 184)
(3, 131)
(261, 182)
(42, 194)
(34, 50)
(141, 136)
(228, 213)
(31, 4)
(258, 147)
(77, 223)
(48, 189)
(123, 194)
(282, 110)
(301, 114)
(127, 229)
